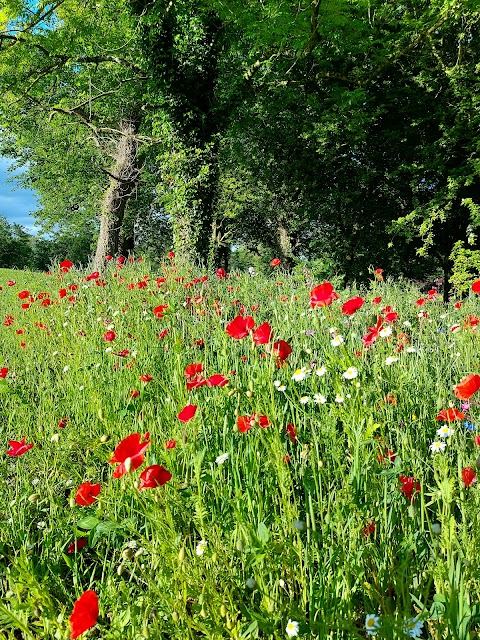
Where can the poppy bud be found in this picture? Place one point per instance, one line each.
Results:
(128, 553)
(104, 438)
(139, 552)
(34, 497)
(249, 394)
(71, 502)
(120, 569)
(181, 555)
(175, 616)
(250, 385)
(251, 583)
(128, 465)
(100, 413)
(223, 610)
(203, 613)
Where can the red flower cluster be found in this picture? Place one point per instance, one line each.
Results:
(129, 454)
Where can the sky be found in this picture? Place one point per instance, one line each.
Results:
(16, 204)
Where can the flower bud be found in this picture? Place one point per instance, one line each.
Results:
(120, 569)
(251, 583)
(35, 497)
(128, 465)
(181, 555)
(128, 553)
(104, 438)
(249, 394)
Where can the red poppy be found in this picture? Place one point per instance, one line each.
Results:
(154, 476)
(11, 283)
(162, 334)
(275, 262)
(372, 332)
(354, 304)
(77, 544)
(476, 286)
(323, 295)
(391, 316)
(221, 273)
(377, 300)
(369, 528)
(86, 494)
(263, 334)
(18, 448)
(108, 258)
(450, 414)
(65, 266)
(468, 476)
(109, 336)
(217, 380)
(245, 423)
(197, 381)
(159, 311)
(170, 444)
(467, 387)
(129, 454)
(187, 413)
(409, 487)
(171, 255)
(239, 327)
(291, 433)
(23, 294)
(146, 378)
(3, 372)
(458, 305)
(191, 370)
(134, 393)
(63, 423)
(84, 614)
(282, 350)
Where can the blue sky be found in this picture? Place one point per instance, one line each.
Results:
(15, 204)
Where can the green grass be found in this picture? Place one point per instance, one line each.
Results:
(286, 537)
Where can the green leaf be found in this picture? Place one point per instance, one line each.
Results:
(88, 523)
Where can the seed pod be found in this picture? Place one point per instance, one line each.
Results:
(128, 553)
(120, 569)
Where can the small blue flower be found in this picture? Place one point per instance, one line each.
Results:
(442, 330)
(469, 425)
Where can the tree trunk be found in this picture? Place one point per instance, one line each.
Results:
(123, 178)
(285, 242)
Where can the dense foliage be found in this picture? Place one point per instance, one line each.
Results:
(236, 457)
(345, 131)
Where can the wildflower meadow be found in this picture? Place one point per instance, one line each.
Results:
(193, 455)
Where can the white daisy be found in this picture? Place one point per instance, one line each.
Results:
(385, 332)
(304, 399)
(372, 624)
(445, 431)
(301, 374)
(201, 546)
(437, 446)
(319, 399)
(223, 457)
(390, 360)
(292, 628)
(336, 341)
(321, 371)
(413, 627)
(339, 398)
(350, 373)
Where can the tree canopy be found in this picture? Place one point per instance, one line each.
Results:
(340, 130)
